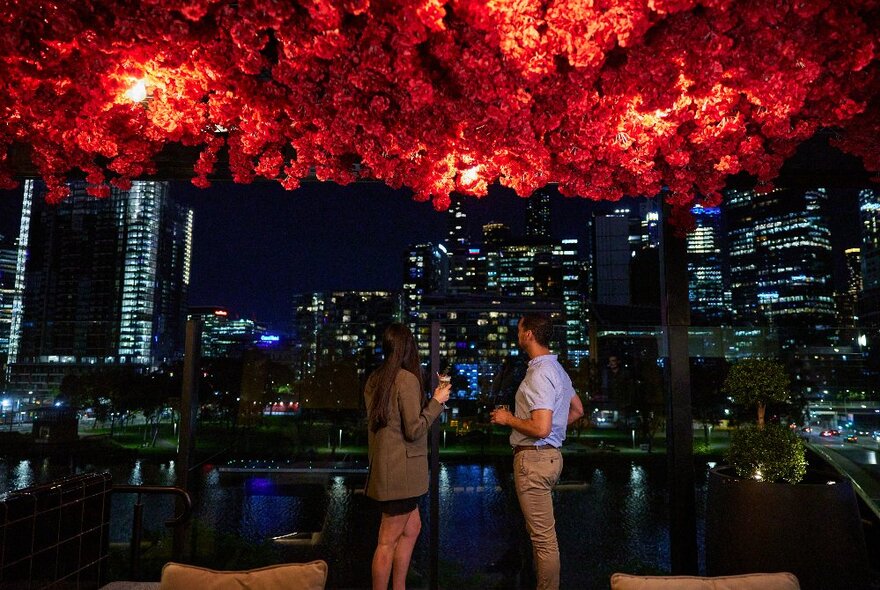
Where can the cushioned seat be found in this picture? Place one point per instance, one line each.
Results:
(285, 576)
(776, 581)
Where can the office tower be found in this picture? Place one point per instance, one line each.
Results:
(343, 327)
(496, 233)
(848, 300)
(704, 256)
(468, 269)
(538, 215)
(457, 227)
(224, 335)
(7, 294)
(100, 282)
(426, 272)
(649, 222)
(780, 257)
(610, 259)
(869, 216)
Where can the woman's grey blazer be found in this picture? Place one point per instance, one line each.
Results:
(398, 452)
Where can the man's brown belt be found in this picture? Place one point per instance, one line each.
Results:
(519, 448)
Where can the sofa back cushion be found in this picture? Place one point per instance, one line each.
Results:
(777, 581)
(285, 576)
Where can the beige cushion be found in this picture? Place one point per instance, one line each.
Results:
(285, 576)
(779, 581)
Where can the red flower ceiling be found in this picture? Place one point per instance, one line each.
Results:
(604, 97)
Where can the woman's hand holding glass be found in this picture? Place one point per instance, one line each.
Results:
(443, 389)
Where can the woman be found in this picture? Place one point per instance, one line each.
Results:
(398, 440)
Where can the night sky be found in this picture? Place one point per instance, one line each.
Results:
(255, 246)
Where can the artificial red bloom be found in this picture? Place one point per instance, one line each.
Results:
(605, 98)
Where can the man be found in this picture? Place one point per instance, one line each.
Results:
(545, 405)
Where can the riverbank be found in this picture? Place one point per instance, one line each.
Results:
(281, 439)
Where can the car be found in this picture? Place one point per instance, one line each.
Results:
(826, 433)
(807, 429)
(852, 438)
(835, 432)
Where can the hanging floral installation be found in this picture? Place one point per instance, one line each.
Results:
(604, 97)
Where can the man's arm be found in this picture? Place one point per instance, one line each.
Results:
(538, 425)
(575, 409)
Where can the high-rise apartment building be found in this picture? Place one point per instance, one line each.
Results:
(100, 282)
(780, 257)
(704, 257)
(344, 326)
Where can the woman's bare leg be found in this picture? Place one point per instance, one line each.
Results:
(391, 530)
(404, 550)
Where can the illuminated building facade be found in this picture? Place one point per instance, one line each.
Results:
(426, 271)
(869, 216)
(344, 327)
(780, 257)
(7, 294)
(477, 332)
(705, 274)
(538, 215)
(99, 282)
(224, 335)
(848, 300)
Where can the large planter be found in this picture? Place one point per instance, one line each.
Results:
(810, 529)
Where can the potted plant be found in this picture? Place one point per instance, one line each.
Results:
(765, 512)
(763, 452)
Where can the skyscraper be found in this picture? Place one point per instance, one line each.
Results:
(848, 300)
(100, 282)
(610, 259)
(869, 216)
(780, 257)
(7, 294)
(704, 255)
(538, 215)
(426, 272)
(457, 227)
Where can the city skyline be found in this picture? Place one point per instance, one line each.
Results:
(324, 237)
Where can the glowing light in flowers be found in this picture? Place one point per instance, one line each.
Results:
(605, 98)
(138, 91)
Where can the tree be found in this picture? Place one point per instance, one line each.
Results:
(757, 382)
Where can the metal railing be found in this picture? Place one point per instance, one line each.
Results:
(137, 523)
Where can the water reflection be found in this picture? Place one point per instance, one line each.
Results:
(617, 521)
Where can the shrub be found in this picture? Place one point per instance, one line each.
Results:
(772, 453)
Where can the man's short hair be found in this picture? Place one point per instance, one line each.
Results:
(541, 326)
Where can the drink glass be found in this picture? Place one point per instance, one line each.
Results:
(502, 407)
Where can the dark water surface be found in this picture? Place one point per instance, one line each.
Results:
(611, 511)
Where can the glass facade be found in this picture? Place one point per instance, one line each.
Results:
(100, 281)
(780, 257)
(705, 268)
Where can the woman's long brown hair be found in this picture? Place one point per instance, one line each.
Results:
(400, 352)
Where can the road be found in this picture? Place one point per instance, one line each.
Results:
(858, 460)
